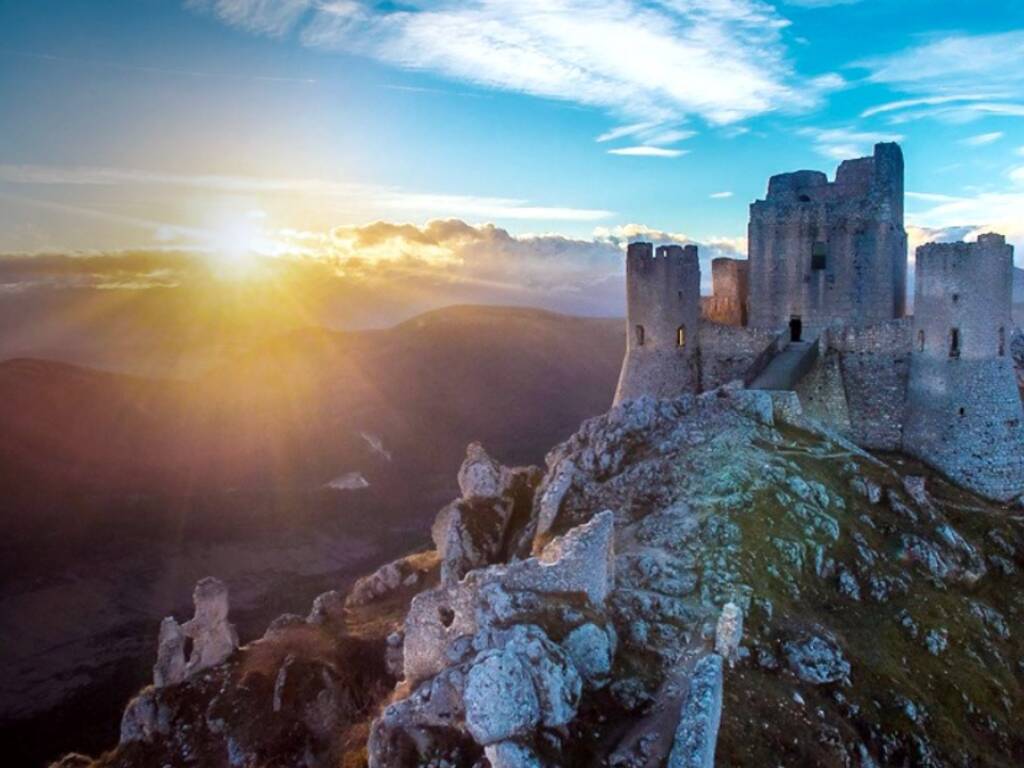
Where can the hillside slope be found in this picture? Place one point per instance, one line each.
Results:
(881, 610)
(120, 492)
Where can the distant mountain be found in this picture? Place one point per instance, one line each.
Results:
(119, 492)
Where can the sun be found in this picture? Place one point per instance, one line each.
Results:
(239, 246)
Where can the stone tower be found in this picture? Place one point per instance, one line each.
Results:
(663, 315)
(825, 251)
(963, 410)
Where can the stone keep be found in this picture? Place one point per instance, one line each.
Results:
(663, 315)
(827, 251)
(963, 410)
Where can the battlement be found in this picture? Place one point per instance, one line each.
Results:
(643, 259)
(878, 175)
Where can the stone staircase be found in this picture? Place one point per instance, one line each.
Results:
(787, 367)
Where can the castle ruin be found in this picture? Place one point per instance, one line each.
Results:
(819, 308)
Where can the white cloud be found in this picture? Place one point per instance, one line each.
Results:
(846, 143)
(958, 77)
(271, 17)
(645, 151)
(982, 139)
(723, 60)
(366, 195)
(1017, 174)
(971, 215)
(720, 195)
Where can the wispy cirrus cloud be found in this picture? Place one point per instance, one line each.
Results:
(845, 143)
(721, 60)
(956, 77)
(367, 195)
(647, 151)
(981, 139)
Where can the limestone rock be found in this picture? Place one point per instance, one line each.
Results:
(213, 638)
(580, 564)
(170, 654)
(327, 608)
(697, 732)
(501, 702)
(480, 476)
(729, 632)
(592, 650)
(816, 659)
(385, 581)
(510, 754)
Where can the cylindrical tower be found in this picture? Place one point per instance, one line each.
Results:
(662, 320)
(963, 413)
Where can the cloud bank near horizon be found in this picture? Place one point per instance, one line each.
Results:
(398, 269)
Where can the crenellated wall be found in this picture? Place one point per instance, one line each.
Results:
(964, 413)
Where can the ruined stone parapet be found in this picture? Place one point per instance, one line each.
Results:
(825, 251)
(963, 412)
(697, 732)
(663, 313)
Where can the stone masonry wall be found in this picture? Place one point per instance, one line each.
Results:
(964, 413)
(725, 310)
(830, 251)
(663, 319)
(728, 351)
(874, 362)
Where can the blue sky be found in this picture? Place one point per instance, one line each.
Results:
(288, 127)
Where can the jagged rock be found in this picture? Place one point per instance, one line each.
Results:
(697, 731)
(729, 632)
(816, 659)
(592, 650)
(143, 718)
(473, 531)
(915, 486)
(580, 563)
(170, 654)
(510, 754)
(393, 656)
(327, 608)
(867, 488)
(480, 476)
(213, 638)
(386, 580)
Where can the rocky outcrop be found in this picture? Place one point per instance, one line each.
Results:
(757, 596)
(473, 531)
(484, 660)
(213, 638)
